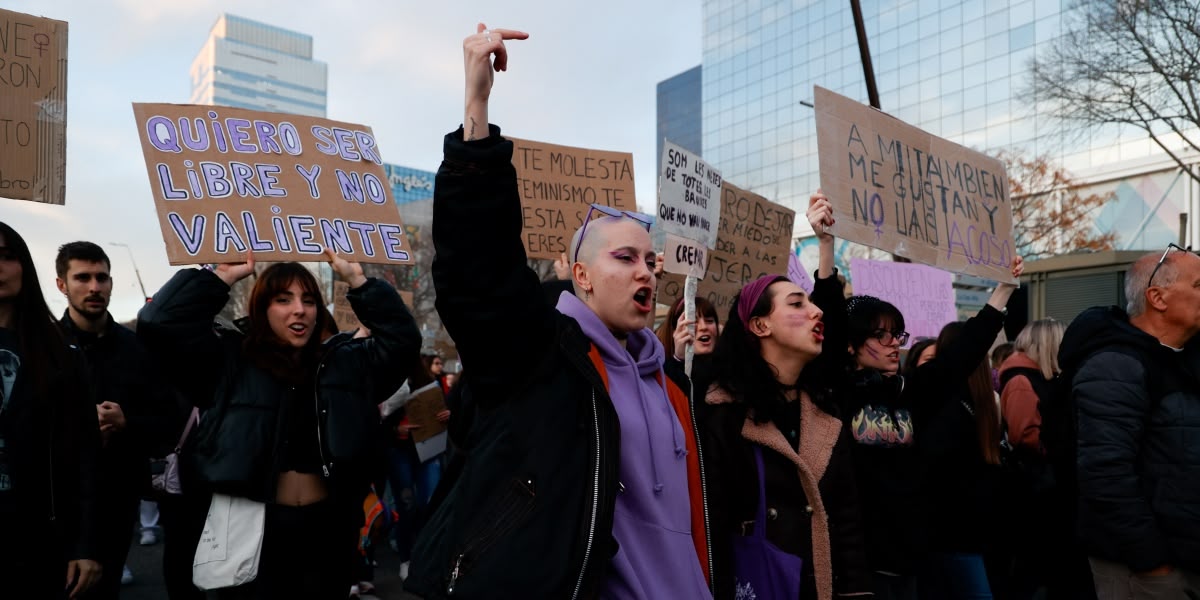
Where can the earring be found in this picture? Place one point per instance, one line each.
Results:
(587, 294)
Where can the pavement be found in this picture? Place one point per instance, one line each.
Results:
(146, 564)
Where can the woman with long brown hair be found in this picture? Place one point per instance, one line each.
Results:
(289, 410)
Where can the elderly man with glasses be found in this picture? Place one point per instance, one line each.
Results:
(1136, 394)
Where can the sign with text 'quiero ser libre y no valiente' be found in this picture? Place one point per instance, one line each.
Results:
(558, 184)
(33, 108)
(900, 189)
(227, 181)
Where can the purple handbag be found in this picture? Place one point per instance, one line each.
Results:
(762, 571)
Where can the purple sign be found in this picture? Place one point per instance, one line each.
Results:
(798, 275)
(924, 295)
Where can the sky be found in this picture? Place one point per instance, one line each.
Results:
(585, 77)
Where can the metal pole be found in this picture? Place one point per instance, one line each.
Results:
(865, 52)
(135, 267)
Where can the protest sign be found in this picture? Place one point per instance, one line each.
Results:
(422, 411)
(754, 239)
(227, 181)
(924, 295)
(900, 189)
(688, 202)
(558, 184)
(798, 275)
(33, 108)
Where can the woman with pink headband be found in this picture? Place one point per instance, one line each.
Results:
(784, 508)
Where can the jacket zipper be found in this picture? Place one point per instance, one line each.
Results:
(317, 407)
(703, 493)
(587, 552)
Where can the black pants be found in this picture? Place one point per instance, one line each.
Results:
(305, 553)
(118, 513)
(182, 520)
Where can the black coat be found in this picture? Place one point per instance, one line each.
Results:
(733, 485)
(236, 448)
(1137, 407)
(531, 513)
(52, 442)
(122, 372)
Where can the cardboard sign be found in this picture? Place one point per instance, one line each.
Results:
(33, 108)
(688, 197)
(227, 180)
(900, 189)
(558, 184)
(924, 295)
(686, 257)
(754, 239)
(798, 275)
(344, 315)
(422, 410)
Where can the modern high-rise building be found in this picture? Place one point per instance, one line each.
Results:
(247, 64)
(956, 68)
(679, 111)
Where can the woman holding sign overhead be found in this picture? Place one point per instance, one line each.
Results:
(289, 424)
(582, 473)
(888, 412)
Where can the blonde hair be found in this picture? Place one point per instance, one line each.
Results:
(1039, 341)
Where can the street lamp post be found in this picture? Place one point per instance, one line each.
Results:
(135, 267)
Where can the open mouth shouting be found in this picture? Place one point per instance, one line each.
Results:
(819, 332)
(643, 299)
(299, 330)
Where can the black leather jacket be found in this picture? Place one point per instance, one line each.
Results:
(236, 449)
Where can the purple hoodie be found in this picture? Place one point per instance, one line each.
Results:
(652, 521)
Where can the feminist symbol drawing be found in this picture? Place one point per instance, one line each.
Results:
(877, 221)
(42, 41)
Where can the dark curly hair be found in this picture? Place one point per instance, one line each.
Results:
(865, 315)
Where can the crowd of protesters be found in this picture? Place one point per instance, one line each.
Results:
(806, 452)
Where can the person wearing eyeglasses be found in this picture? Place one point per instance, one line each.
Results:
(582, 477)
(1136, 392)
(885, 410)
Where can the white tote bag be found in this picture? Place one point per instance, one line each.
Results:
(231, 543)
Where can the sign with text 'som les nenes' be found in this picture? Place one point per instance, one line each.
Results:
(227, 181)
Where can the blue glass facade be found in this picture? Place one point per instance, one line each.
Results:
(408, 184)
(956, 68)
(679, 111)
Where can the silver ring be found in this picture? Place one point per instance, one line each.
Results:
(487, 34)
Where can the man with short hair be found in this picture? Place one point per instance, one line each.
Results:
(1136, 394)
(132, 407)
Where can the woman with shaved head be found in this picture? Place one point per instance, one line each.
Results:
(582, 476)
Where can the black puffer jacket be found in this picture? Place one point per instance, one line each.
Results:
(237, 447)
(1137, 408)
(532, 511)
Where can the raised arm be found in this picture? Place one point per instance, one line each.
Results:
(828, 291)
(178, 323)
(958, 361)
(491, 303)
(395, 339)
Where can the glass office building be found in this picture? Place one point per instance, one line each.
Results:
(248, 64)
(679, 111)
(956, 68)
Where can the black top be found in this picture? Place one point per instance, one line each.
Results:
(10, 363)
(300, 450)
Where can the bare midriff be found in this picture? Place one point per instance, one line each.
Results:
(299, 489)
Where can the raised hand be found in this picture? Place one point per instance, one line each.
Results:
(478, 50)
(820, 215)
(232, 273)
(350, 272)
(1004, 291)
(562, 267)
(682, 336)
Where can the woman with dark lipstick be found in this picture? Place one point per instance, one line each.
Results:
(785, 510)
(884, 410)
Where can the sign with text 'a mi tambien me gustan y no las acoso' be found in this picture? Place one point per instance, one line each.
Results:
(558, 184)
(903, 190)
(226, 181)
